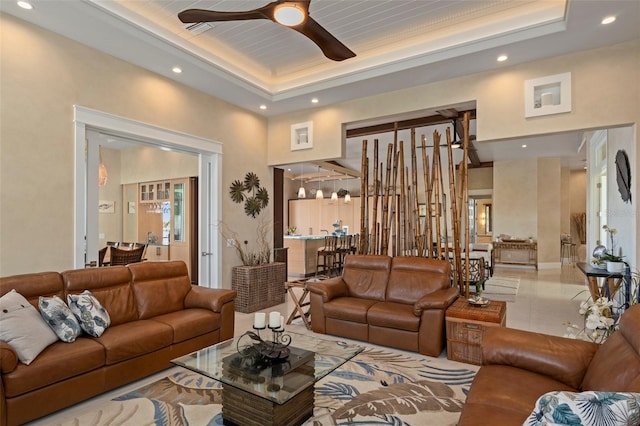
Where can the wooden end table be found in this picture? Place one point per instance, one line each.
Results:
(466, 326)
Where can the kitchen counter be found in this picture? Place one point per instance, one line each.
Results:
(304, 237)
(302, 254)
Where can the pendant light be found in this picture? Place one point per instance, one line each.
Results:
(319, 194)
(334, 194)
(455, 144)
(347, 196)
(301, 192)
(102, 171)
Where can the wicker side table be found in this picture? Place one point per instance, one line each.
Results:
(467, 324)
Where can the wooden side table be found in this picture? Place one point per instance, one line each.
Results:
(466, 326)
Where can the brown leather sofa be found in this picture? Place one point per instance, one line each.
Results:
(156, 315)
(520, 366)
(398, 302)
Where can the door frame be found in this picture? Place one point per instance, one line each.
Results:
(209, 153)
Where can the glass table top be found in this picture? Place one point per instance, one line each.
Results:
(236, 362)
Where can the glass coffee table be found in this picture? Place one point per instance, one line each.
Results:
(255, 392)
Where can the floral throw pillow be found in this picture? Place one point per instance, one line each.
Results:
(94, 319)
(60, 318)
(586, 408)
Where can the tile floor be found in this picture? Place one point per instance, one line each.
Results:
(546, 299)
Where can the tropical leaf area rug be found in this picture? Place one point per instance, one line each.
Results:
(377, 387)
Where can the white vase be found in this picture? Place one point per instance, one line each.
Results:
(615, 267)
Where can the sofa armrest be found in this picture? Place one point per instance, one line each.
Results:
(440, 299)
(8, 358)
(208, 298)
(329, 289)
(560, 358)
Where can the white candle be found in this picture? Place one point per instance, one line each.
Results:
(281, 322)
(258, 319)
(274, 319)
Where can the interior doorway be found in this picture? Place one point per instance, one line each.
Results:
(87, 162)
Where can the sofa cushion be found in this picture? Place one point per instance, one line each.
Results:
(479, 414)
(58, 362)
(367, 276)
(159, 287)
(93, 317)
(111, 286)
(616, 365)
(393, 315)
(32, 286)
(348, 309)
(22, 327)
(60, 318)
(597, 408)
(189, 323)
(132, 339)
(504, 386)
(413, 277)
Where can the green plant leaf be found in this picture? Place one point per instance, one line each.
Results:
(236, 191)
(263, 196)
(251, 181)
(252, 206)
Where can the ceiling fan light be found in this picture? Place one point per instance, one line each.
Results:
(289, 15)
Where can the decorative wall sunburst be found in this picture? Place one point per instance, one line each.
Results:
(255, 197)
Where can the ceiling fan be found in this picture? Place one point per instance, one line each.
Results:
(292, 14)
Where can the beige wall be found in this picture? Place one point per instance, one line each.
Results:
(605, 93)
(515, 196)
(42, 76)
(549, 211)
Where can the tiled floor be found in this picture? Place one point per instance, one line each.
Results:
(546, 299)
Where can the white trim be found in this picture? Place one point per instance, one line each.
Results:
(209, 152)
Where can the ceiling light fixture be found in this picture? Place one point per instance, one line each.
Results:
(524, 145)
(263, 107)
(319, 194)
(334, 194)
(314, 100)
(289, 14)
(502, 58)
(347, 196)
(608, 20)
(455, 144)
(176, 70)
(302, 193)
(25, 5)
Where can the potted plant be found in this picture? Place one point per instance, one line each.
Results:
(614, 262)
(258, 281)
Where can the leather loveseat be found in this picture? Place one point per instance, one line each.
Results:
(397, 302)
(156, 315)
(520, 366)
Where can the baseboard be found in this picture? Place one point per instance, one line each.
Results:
(549, 265)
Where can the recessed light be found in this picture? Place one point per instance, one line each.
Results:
(608, 20)
(177, 70)
(165, 148)
(502, 58)
(524, 145)
(314, 100)
(25, 5)
(263, 107)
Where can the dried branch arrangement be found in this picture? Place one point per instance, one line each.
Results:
(391, 219)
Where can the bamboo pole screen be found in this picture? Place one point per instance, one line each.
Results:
(407, 220)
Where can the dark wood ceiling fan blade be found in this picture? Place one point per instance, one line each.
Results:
(202, 15)
(330, 46)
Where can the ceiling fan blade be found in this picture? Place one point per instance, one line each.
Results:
(330, 46)
(202, 15)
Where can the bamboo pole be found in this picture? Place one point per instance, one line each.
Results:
(416, 209)
(435, 182)
(427, 195)
(363, 199)
(374, 231)
(392, 218)
(384, 247)
(465, 192)
(402, 217)
(455, 218)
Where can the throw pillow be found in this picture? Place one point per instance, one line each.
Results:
(586, 408)
(94, 319)
(22, 327)
(60, 318)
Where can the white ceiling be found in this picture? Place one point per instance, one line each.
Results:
(399, 43)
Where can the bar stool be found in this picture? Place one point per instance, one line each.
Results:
(343, 248)
(568, 250)
(328, 256)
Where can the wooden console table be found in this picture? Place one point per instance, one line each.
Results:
(516, 253)
(612, 281)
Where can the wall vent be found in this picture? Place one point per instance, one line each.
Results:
(198, 27)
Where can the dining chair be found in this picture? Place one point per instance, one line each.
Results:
(125, 257)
